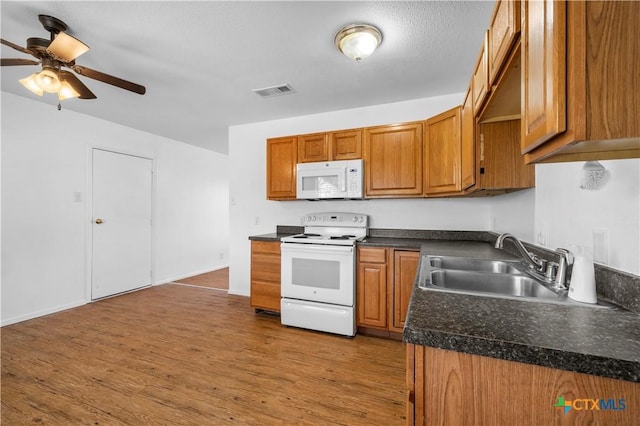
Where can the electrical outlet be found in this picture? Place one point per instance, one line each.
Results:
(221, 256)
(601, 245)
(257, 220)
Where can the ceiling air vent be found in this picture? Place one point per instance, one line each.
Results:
(269, 92)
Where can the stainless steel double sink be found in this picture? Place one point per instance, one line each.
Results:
(490, 277)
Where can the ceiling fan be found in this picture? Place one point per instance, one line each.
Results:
(61, 50)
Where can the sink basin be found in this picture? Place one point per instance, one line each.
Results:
(505, 284)
(478, 265)
(491, 278)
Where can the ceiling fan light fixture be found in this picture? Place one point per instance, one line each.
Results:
(358, 41)
(47, 80)
(67, 91)
(30, 83)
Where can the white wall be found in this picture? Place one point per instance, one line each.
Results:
(45, 161)
(251, 213)
(568, 215)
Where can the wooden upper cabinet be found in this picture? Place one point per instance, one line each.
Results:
(467, 144)
(500, 165)
(480, 79)
(282, 157)
(596, 117)
(543, 71)
(393, 160)
(503, 32)
(314, 147)
(442, 153)
(346, 145)
(340, 145)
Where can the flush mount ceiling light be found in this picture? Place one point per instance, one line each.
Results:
(357, 41)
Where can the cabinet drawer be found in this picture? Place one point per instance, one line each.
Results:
(272, 247)
(372, 255)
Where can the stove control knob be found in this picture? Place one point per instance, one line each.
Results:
(308, 218)
(314, 218)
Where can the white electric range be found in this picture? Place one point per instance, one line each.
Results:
(318, 273)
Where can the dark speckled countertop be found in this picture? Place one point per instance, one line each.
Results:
(602, 342)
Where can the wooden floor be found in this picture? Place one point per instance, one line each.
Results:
(176, 354)
(215, 279)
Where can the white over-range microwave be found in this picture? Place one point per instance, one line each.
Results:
(330, 179)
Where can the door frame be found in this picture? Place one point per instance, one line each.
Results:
(89, 215)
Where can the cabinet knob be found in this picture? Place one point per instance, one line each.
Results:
(98, 221)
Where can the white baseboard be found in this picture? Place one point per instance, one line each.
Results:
(239, 293)
(42, 312)
(191, 274)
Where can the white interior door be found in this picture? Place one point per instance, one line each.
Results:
(121, 214)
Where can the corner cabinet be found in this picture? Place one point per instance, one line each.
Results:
(580, 80)
(442, 149)
(393, 161)
(265, 275)
(282, 157)
(384, 284)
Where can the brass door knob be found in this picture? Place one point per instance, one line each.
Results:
(98, 221)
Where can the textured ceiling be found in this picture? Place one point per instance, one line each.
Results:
(201, 60)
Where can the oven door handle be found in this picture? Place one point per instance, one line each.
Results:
(315, 248)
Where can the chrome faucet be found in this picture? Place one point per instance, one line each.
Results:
(535, 263)
(566, 259)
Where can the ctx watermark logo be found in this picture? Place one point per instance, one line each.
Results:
(588, 404)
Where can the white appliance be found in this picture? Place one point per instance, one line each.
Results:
(318, 273)
(329, 179)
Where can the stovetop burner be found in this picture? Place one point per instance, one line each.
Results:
(331, 229)
(341, 237)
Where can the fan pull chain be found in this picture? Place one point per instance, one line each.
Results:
(59, 106)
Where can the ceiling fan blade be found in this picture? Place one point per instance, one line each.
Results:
(15, 46)
(66, 48)
(13, 62)
(109, 79)
(77, 85)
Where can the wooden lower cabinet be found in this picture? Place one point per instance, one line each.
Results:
(265, 275)
(384, 284)
(452, 388)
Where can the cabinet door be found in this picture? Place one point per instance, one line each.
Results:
(503, 31)
(265, 275)
(480, 78)
(346, 145)
(543, 71)
(393, 160)
(467, 144)
(282, 155)
(313, 148)
(405, 266)
(442, 153)
(371, 287)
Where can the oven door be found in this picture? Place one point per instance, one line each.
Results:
(319, 273)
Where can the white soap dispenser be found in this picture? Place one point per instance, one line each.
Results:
(583, 282)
